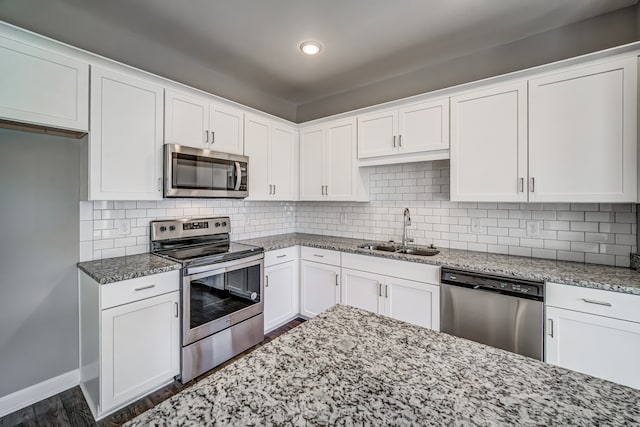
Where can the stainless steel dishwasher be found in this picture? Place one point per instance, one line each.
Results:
(498, 311)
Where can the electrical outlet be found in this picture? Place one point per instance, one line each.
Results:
(343, 218)
(124, 227)
(533, 228)
(475, 225)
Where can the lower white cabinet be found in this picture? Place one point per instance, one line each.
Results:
(320, 287)
(407, 300)
(129, 338)
(602, 339)
(281, 289)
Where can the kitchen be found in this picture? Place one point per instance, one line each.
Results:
(338, 178)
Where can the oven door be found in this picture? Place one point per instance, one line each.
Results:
(218, 296)
(194, 172)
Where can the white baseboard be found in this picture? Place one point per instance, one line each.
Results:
(35, 393)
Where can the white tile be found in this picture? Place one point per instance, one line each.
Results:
(86, 211)
(86, 231)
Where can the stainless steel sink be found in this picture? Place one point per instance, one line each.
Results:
(419, 251)
(400, 250)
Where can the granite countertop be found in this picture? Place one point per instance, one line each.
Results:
(391, 373)
(596, 276)
(111, 270)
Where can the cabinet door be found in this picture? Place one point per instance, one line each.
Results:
(140, 348)
(282, 162)
(362, 290)
(424, 127)
(41, 87)
(312, 164)
(489, 144)
(125, 143)
(320, 287)
(226, 125)
(377, 134)
(582, 134)
(186, 120)
(340, 160)
(280, 294)
(257, 134)
(413, 302)
(595, 345)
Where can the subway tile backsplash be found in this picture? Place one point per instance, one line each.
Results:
(585, 232)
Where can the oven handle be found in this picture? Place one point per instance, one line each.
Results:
(195, 273)
(238, 176)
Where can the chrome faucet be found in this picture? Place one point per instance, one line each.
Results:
(406, 223)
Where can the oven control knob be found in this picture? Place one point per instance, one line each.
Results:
(217, 224)
(224, 224)
(163, 228)
(172, 228)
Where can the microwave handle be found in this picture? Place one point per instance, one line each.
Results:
(238, 176)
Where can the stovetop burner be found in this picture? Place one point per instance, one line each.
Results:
(212, 253)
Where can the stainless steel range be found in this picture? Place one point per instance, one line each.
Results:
(222, 288)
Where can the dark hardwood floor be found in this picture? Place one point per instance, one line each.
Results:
(70, 409)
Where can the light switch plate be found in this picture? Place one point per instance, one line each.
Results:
(475, 225)
(533, 228)
(124, 227)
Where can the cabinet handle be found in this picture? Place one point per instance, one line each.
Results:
(145, 287)
(521, 185)
(159, 185)
(592, 301)
(206, 139)
(394, 141)
(319, 256)
(400, 140)
(274, 189)
(177, 310)
(280, 256)
(266, 281)
(326, 190)
(550, 327)
(337, 283)
(213, 137)
(386, 291)
(532, 183)
(380, 289)
(270, 189)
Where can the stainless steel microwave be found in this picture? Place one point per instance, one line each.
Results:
(196, 172)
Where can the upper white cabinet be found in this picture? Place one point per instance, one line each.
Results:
(196, 121)
(125, 143)
(328, 166)
(416, 128)
(273, 151)
(43, 88)
(583, 134)
(489, 144)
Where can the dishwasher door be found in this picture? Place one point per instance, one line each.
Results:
(511, 323)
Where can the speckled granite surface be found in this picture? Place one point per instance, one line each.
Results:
(572, 273)
(127, 267)
(391, 373)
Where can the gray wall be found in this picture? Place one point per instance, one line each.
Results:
(612, 29)
(39, 197)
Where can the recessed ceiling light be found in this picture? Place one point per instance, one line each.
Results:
(310, 48)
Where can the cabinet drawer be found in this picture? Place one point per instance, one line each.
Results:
(320, 255)
(279, 256)
(595, 301)
(127, 291)
(415, 271)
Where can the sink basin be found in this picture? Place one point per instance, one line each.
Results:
(419, 251)
(374, 247)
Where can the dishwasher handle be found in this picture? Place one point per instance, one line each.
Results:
(500, 285)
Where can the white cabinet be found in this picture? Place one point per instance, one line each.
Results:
(328, 167)
(272, 150)
(196, 121)
(140, 348)
(407, 300)
(489, 144)
(583, 134)
(125, 143)
(595, 332)
(129, 338)
(395, 133)
(43, 88)
(319, 281)
(281, 289)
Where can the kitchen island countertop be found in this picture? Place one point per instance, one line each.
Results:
(595, 276)
(351, 367)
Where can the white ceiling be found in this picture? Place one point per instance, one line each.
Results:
(256, 41)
